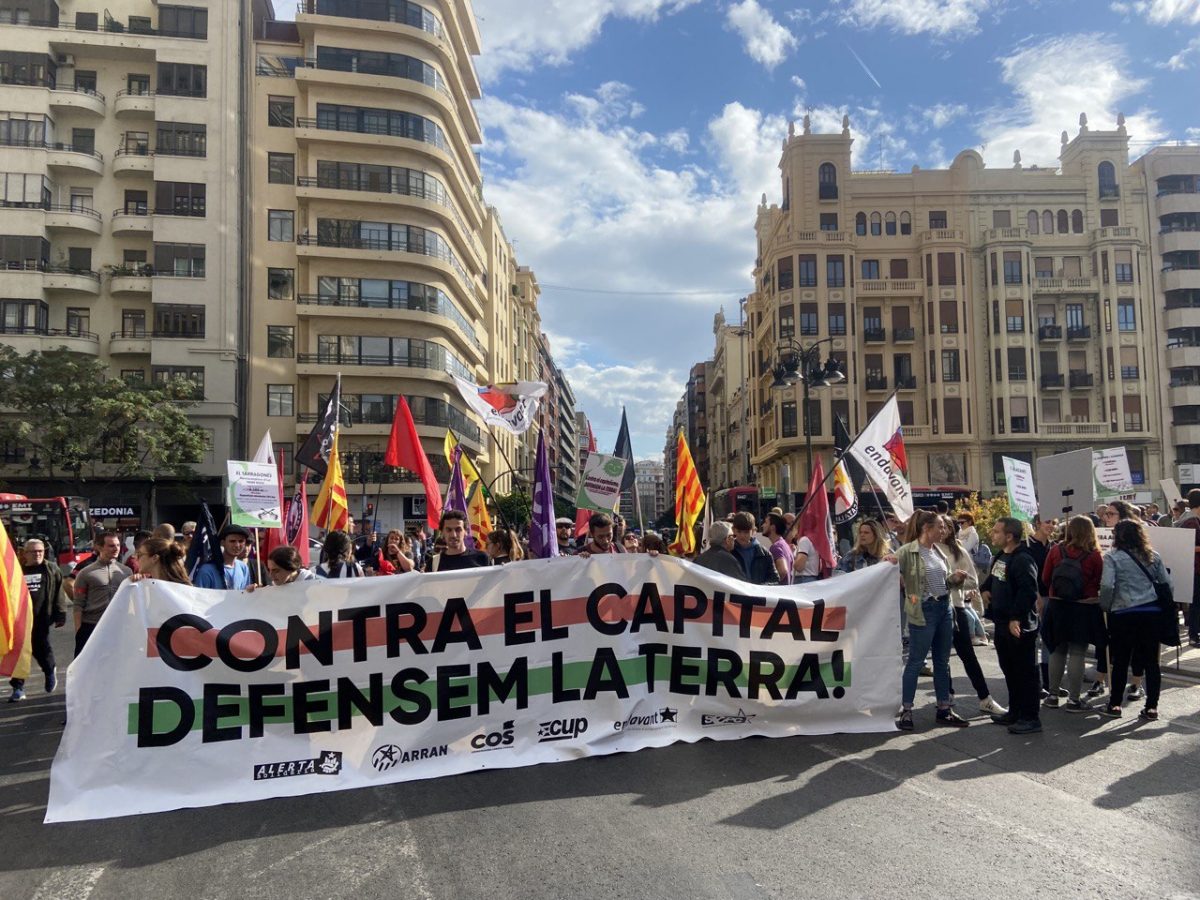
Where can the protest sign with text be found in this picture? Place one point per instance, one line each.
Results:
(600, 486)
(254, 500)
(1022, 498)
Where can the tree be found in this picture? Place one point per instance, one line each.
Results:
(985, 512)
(563, 509)
(514, 507)
(77, 424)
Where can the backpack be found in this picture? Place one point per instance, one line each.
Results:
(1066, 582)
(981, 556)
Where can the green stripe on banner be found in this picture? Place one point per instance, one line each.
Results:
(574, 676)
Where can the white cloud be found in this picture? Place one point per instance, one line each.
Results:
(1179, 61)
(941, 18)
(766, 41)
(1045, 103)
(942, 114)
(798, 82)
(1161, 12)
(520, 34)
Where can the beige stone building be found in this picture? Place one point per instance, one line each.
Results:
(120, 217)
(1012, 309)
(728, 426)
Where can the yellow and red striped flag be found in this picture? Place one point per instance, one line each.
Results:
(331, 509)
(689, 498)
(16, 613)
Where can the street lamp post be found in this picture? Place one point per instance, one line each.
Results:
(798, 363)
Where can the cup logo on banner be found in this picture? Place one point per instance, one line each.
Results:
(254, 495)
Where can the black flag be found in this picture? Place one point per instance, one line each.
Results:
(624, 450)
(204, 547)
(841, 440)
(314, 452)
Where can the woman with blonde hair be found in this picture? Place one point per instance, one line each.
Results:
(160, 558)
(872, 547)
(1073, 620)
(394, 556)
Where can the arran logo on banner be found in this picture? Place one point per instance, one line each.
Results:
(663, 718)
(561, 729)
(328, 763)
(711, 720)
(387, 756)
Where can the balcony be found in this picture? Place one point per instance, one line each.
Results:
(1052, 381)
(1079, 333)
(827, 192)
(1183, 395)
(904, 335)
(1110, 191)
(1070, 285)
(25, 339)
(1178, 279)
(133, 162)
(1181, 356)
(69, 98)
(1050, 333)
(1074, 429)
(877, 383)
(1115, 233)
(131, 220)
(64, 278)
(1185, 433)
(134, 104)
(906, 384)
(72, 218)
(874, 335)
(941, 235)
(1179, 240)
(75, 161)
(992, 235)
(1177, 202)
(130, 280)
(337, 358)
(892, 287)
(336, 305)
(1080, 380)
(420, 18)
(135, 342)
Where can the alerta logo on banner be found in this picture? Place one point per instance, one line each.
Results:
(663, 718)
(714, 720)
(561, 729)
(387, 756)
(328, 763)
(493, 740)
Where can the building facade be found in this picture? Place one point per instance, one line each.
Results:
(120, 221)
(648, 475)
(728, 426)
(1011, 310)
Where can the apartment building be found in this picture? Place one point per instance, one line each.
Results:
(728, 427)
(1171, 180)
(648, 474)
(1012, 309)
(120, 214)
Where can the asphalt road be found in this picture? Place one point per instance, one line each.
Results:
(1090, 808)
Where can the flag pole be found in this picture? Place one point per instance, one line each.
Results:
(512, 469)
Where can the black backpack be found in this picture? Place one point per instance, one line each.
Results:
(1066, 582)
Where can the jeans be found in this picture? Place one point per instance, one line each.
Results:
(1134, 635)
(966, 653)
(1018, 660)
(974, 623)
(937, 634)
(805, 579)
(39, 640)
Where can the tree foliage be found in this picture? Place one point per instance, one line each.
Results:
(78, 424)
(515, 507)
(985, 512)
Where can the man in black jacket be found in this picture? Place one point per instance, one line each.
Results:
(719, 556)
(50, 605)
(754, 559)
(1010, 592)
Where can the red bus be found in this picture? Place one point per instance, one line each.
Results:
(736, 499)
(62, 522)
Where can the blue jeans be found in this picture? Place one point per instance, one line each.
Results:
(937, 634)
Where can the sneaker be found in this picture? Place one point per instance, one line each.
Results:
(1113, 712)
(1043, 694)
(1076, 706)
(1025, 726)
(951, 719)
(1098, 689)
(1150, 715)
(989, 705)
(905, 722)
(1135, 693)
(18, 694)
(1007, 718)
(927, 671)
(1051, 702)
(51, 681)
(1063, 692)
(982, 641)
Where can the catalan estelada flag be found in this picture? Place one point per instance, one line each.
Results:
(16, 613)
(689, 498)
(331, 510)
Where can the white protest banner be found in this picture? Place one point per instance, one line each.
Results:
(600, 487)
(1022, 498)
(1065, 485)
(254, 495)
(1110, 470)
(1176, 546)
(185, 697)
(1171, 492)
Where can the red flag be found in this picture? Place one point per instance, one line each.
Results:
(815, 523)
(295, 520)
(277, 537)
(404, 449)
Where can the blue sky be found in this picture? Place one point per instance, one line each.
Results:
(627, 142)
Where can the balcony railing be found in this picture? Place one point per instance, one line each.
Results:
(142, 210)
(1049, 332)
(146, 270)
(1079, 333)
(906, 384)
(109, 25)
(40, 265)
(1053, 380)
(420, 248)
(144, 333)
(877, 383)
(339, 358)
(72, 88)
(126, 92)
(436, 308)
(827, 192)
(39, 331)
(398, 186)
(50, 145)
(413, 14)
(1081, 379)
(904, 335)
(1109, 192)
(874, 335)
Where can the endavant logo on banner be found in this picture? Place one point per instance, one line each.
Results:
(319, 686)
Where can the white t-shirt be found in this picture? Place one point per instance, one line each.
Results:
(812, 565)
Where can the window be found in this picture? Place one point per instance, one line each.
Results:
(905, 223)
(1137, 464)
(876, 224)
(870, 269)
(1132, 408)
(178, 320)
(837, 318)
(950, 371)
(1126, 320)
(27, 69)
(285, 455)
(945, 269)
(784, 268)
(860, 224)
(1014, 313)
(948, 316)
(182, 21)
(1106, 175)
(1064, 222)
(83, 140)
(1001, 218)
(992, 268)
(807, 271)
(281, 112)
(1077, 220)
(808, 319)
(281, 341)
(1043, 266)
(787, 322)
(872, 320)
(180, 198)
(133, 323)
(889, 224)
(133, 376)
(898, 268)
(787, 415)
(281, 284)
(281, 225)
(166, 374)
(79, 259)
(81, 198)
(1109, 218)
(952, 415)
(138, 85)
(1129, 364)
(937, 219)
(281, 399)
(1032, 221)
(835, 271)
(180, 260)
(829, 222)
(182, 139)
(813, 421)
(1046, 314)
(1012, 267)
(1051, 411)
(182, 80)
(1019, 415)
(1048, 222)
(827, 182)
(1072, 266)
(1016, 364)
(1124, 266)
(371, 62)
(79, 320)
(281, 168)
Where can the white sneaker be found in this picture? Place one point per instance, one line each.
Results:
(979, 641)
(989, 705)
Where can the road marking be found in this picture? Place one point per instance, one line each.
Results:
(71, 883)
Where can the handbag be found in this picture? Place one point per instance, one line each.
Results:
(1164, 592)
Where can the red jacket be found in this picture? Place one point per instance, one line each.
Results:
(1092, 565)
(1192, 521)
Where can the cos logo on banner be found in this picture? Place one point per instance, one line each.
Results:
(493, 740)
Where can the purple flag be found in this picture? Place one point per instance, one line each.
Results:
(456, 493)
(543, 540)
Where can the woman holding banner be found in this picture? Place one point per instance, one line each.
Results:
(1073, 621)
(872, 548)
(162, 559)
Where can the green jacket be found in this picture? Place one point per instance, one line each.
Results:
(912, 575)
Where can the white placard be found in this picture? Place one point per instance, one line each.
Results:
(1176, 546)
(1022, 497)
(1065, 484)
(1170, 491)
(1110, 469)
(254, 499)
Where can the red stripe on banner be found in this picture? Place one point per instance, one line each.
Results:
(489, 621)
